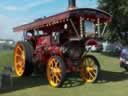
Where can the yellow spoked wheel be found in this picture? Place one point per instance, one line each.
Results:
(55, 71)
(89, 69)
(23, 59)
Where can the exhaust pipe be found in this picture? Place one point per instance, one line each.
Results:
(71, 4)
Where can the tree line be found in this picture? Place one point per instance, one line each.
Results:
(118, 29)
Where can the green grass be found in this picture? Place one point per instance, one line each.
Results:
(6, 59)
(113, 82)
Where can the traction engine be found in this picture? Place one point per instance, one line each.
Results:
(56, 45)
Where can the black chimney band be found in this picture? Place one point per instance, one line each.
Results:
(72, 3)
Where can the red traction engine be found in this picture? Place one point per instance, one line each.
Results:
(56, 45)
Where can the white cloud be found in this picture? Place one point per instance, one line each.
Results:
(3, 20)
(6, 27)
(27, 6)
(11, 8)
(7, 23)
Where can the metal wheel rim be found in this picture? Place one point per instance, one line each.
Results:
(19, 60)
(89, 70)
(54, 72)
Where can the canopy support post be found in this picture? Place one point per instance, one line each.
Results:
(104, 29)
(81, 27)
(98, 23)
(74, 27)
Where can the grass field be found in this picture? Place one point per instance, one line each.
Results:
(113, 81)
(6, 59)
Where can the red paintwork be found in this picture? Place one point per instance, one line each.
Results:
(44, 49)
(91, 42)
(43, 41)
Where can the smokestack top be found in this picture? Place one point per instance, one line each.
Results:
(71, 4)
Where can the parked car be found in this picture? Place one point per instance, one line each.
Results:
(112, 48)
(124, 59)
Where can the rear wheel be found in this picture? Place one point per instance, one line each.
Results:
(89, 69)
(23, 59)
(55, 71)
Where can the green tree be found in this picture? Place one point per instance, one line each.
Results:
(119, 11)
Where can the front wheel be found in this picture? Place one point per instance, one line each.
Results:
(23, 59)
(89, 69)
(55, 71)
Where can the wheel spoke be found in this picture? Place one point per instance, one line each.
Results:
(20, 68)
(53, 63)
(88, 62)
(90, 75)
(19, 72)
(19, 58)
(58, 78)
(51, 66)
(17, 66)
(51, 71)
(52, 77)
(87, 76)
(56, 63)
(93, 73)
(84, 63)
(17, 55)
(20, 65)
(91, 64)
(19, 48)
(59, 75)
(58, 70)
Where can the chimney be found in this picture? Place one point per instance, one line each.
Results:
(71, 4)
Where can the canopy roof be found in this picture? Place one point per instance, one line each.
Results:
(45, 22)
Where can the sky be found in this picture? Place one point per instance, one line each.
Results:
(18, 12)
